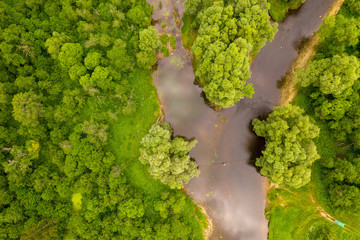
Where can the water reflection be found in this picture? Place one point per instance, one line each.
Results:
(229, 185)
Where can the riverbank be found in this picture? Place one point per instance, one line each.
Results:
(234, 193)
(307, 210)
(289, 86)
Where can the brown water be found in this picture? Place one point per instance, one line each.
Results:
(229, 186)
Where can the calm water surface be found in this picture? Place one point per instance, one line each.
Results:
(229, 186)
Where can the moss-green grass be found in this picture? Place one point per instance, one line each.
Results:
(293, 215)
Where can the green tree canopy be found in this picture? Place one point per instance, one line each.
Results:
(229, 33)
(168, 158)
(27, 108)
(70, 54)
(149, 42)
(289, 150)
(331, 75)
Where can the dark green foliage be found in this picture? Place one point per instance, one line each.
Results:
(339, 35)
(173, 42)
(165, 51)
(289, 151)
(164, 39)
(279, 8)
(168, 158)
(228, 32)
(75, 100)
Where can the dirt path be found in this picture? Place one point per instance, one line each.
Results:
(289, 89)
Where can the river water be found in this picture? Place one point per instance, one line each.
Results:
(229, 186)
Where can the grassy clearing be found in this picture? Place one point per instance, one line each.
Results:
(293, 216)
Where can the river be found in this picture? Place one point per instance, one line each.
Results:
(229, 186)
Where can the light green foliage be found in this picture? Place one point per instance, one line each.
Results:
(139, 16)
(192, 6)
(54, 43)
(101, 78)
(253, 22)
(228, 33)
(165, 51)
(353, 6)
(331, 75)
(27, 108)
(148, 44)
(289, 151)
(77, 71)
(168, 158)
(70, 54)
(96, 132)
(338, 34)
(92, 60)
(149, 40)
(225, 78)
(120, 58)
(164, 39)
(173, 42)
(76, 200)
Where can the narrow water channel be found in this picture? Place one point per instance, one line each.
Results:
(229, 186)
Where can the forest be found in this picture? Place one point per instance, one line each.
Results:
(76, 101)
(331, 81)
(328, 93)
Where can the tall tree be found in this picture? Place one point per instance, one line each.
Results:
(168, 158)
(289, 149)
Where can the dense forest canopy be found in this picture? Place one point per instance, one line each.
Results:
(230, 33)
(75, 100)
(332, 87)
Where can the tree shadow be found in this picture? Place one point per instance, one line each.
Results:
(300, 44)
(256, 144)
